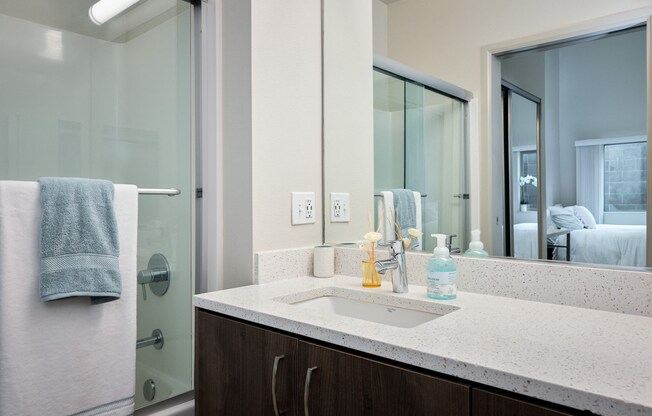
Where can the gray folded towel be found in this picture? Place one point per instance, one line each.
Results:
(79, 240)
(406, 210)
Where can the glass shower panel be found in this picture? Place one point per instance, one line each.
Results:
(389, 113)
(389, 132)
(419, 144)
(112, 102)
(435, 140)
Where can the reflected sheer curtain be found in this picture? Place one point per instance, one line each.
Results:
(590, 178)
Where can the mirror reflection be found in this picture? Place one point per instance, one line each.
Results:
(593, 127)
(589, 166)
(521, 121)
(419, 161)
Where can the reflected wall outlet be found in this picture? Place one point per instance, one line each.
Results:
(340, 210)
(303, 208)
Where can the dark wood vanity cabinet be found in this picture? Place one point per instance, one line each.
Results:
(242, 369)
(233, 368)
(346, 384)
(486, 403)
(234, 375)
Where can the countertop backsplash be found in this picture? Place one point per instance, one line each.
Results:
(601, 288)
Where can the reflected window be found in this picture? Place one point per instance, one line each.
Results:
(625, 173)
(528, 179)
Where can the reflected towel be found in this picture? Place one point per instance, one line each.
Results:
(79, 240)
(406, 211)
(386, 216)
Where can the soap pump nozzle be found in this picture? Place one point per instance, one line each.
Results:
(476, 248)
(475, 243)
(441, 250)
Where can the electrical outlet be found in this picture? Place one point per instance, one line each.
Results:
(340, 210)
(303, 208)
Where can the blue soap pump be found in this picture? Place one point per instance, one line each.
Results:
(442, 272)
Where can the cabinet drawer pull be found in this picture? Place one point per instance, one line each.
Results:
(277, 359)
(306, 390)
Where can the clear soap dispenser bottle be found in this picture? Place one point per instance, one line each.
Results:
(476, 248)
(442, 272)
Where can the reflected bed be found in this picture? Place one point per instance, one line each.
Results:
(618, 245)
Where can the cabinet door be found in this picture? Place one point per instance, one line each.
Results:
(234, 368)
(343, 384)
(486, 403)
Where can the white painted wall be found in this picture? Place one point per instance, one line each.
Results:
(286, 119)
(446, 39)
(601, 94)
(271, 79)
(236, 132)
(550, 116)
(379, 13)
(348, 114)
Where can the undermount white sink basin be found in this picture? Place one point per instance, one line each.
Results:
(382, 309)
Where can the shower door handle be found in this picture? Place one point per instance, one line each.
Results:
(461, 196)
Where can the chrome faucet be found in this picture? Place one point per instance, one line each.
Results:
(449, 244)
(396, 261)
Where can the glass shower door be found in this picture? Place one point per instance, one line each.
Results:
(435, 141)
(113, 102)
(420, 144)
(158, 84)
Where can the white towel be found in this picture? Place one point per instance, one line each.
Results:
(386, 209)
(417, 203)
(65, 357)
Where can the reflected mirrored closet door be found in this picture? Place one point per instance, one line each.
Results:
(521, 121)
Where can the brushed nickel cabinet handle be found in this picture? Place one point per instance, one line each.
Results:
(306, 390)
(277, 359)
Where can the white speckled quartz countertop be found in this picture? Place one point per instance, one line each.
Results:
(581, 358)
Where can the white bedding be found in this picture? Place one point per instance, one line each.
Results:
(525, 240)
(620, 245)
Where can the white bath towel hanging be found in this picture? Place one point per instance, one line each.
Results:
(386, 211)
(67, 356)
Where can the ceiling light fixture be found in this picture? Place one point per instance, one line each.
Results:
(105, 10)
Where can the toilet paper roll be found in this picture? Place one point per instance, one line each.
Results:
(323, 261)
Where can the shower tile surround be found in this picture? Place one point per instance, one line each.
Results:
(601, 288)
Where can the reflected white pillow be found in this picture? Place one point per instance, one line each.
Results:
(548, 218)
(565, 218)
(584, 215)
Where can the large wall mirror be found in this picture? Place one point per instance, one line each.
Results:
(573, 176)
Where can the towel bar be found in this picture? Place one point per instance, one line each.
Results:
(156, 340)
(158, 191)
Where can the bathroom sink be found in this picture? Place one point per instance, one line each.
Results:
(381, 309)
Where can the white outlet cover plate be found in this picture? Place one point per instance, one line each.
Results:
(340, 207)
(303, 208)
